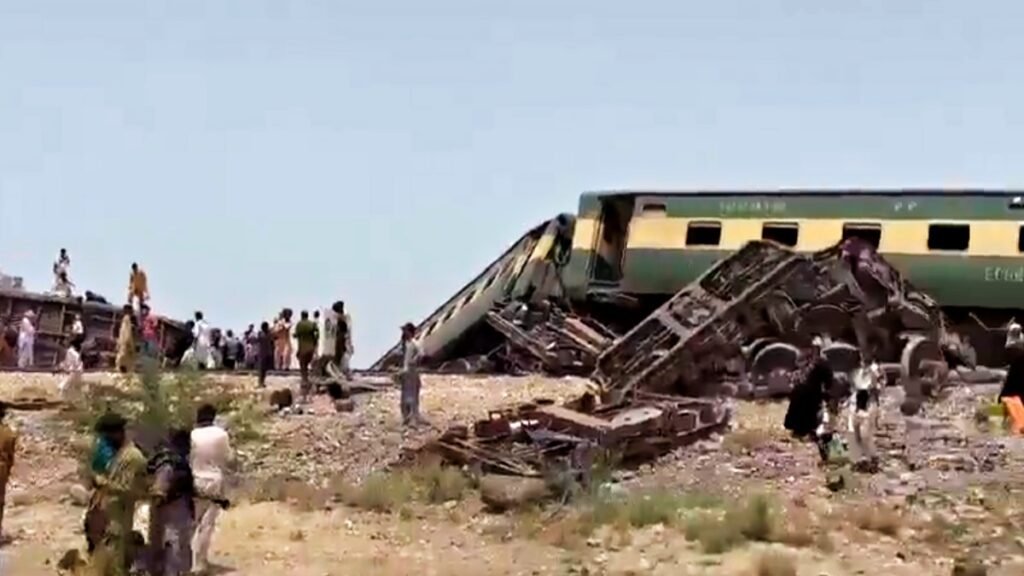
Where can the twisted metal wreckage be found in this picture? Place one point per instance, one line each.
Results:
(739, 329)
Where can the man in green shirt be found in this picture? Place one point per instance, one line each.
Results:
(307, 334)
(112, 509)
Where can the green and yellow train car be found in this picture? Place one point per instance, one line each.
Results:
(963, 247)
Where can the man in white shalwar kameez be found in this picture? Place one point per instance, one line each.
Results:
(863, 411)
(27, 341)
(70, 387)
(210, 454)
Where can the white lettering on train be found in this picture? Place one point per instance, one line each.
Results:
(752, 207)
(1004, 274)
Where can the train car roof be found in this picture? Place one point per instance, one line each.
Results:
(979, 192)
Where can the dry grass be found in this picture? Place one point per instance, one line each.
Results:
(438, 484)
(774, 564)
(746, 441)
(880, 519)
(155, 402)
(381, 492)
(753, 521)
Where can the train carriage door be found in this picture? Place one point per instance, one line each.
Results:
(610, 239)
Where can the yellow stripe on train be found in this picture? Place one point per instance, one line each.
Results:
(909, 237)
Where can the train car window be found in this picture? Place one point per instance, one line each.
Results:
(466, 300)
(654, 210)
(784, 233)
(703, 233)
(870, 233)
(949, 236)
(1020, 239)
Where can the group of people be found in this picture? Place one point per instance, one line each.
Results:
(183, 482)
(818, 397)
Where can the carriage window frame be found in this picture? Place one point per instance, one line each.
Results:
(1020, 238)
(702, 226)
(855, 226)
(781, 225)
(944, 244)
(654, 210)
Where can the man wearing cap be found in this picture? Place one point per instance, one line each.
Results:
(111, 513)
(409, 376)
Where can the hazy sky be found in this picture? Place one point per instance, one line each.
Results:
(252, 154)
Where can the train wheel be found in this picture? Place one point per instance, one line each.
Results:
(842, 357)
(826, 319)
(773, 365)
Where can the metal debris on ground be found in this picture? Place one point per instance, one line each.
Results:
(532, 439)
(548, 339)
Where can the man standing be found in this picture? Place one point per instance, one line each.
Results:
(283, 340)
(265, 353)
(807, 415)
(78, 331)
(203, 341)
(27, 340)
(150, 332)
(125, 359)
(138, 286)
(113, 504)
(211, 453)
(306, 334)
(8, 444)
(71, 385)
(409, 376)
(173, 507)
(342, 337)
(229, 350)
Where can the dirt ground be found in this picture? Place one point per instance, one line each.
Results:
(961, 497)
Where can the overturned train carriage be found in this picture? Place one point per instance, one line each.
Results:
(456, 336)
(965, 248)
(631, 251)
(55, 317)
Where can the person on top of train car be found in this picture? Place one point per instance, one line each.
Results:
(807, 415)
(138, 285)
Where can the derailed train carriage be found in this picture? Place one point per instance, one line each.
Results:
(631, 251)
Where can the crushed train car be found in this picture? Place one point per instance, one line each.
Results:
(767, 297)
